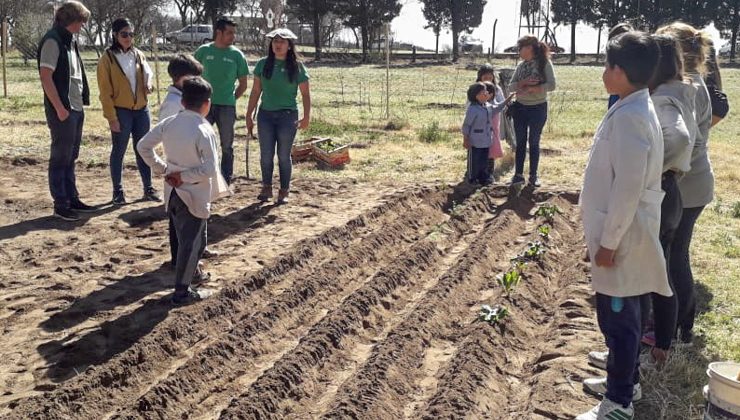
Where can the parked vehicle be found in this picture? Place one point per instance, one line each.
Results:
(468, 44)
(724, 51)
(196, 34)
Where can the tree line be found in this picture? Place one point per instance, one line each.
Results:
(365, 18)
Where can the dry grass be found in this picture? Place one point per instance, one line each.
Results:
(349, 106)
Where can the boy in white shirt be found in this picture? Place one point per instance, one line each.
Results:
(192, 181)
(620, 207)
(180, 68)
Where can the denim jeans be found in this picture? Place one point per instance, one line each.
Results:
(134, 123)
(187, 241)
(224, 117)
(276, 129)
(66, 137)
(680, 268)
(478, 165)
(529, 118)
(619, 321)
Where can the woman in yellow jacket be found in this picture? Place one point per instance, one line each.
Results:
(124, 80)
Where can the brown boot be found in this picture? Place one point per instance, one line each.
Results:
(283, 196)
(265, 193)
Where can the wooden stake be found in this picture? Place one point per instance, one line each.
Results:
(156, 65)
(5, 52)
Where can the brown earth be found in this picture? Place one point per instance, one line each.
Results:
(353, 301)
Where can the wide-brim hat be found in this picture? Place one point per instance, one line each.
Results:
(284, 33)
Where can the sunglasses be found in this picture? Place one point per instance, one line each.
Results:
(125, 34)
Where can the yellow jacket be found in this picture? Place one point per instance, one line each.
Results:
(115, 89)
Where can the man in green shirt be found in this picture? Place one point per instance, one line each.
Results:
(223, 66)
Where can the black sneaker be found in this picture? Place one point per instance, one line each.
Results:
(119, 198)
(190, 296)
(151, 194)
(517, 179)
(66, 214)
(208, 253)
(81, 207)
(534, 181)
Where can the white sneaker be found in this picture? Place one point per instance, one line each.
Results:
(608, 410)
(598, 386)
(598, 358)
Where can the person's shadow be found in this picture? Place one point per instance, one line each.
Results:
(51, 222)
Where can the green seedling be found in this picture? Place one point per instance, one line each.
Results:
(544, 231)
(493, 315)
(548, 211)
(509, 280)
(534, 251)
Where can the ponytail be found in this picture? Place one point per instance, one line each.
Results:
(695, 45)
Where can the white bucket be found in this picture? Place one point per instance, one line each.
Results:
(723, 391)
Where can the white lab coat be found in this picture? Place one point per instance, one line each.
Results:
(621, 198)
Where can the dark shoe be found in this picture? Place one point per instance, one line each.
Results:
(66, 214)
(201, 275)
(81, 207)
(190, 296)
(151, 194)
(283, 196)
(534, 181)
(517, 179)
(119, 198)
(265, 193)
(209, 253)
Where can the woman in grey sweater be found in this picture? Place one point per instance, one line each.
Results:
(532, 79)
(696, 185)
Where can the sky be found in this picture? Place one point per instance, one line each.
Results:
(409, 27)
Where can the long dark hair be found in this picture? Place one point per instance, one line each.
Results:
(486, 69)
(540, 49)
(670, 64)
(116, 27)
(292, 61)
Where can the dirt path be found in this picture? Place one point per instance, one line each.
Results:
(353, 301)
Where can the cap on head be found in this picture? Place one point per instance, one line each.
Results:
(284, 33)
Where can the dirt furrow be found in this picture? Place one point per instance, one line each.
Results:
(386, 381)
(103, 387)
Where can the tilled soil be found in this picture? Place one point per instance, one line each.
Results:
(353, 301)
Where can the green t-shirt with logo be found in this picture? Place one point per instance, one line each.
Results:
(222, 67)
(278, 92)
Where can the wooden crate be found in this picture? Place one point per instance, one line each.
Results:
(303, 150)
(333, 159)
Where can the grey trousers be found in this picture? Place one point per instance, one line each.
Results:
(187, 240)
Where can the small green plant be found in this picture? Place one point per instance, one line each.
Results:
(548, 211)
(433, 133)
(493, 315)
(544, 231)
(535, 250)
(509, 280)
(736, 210)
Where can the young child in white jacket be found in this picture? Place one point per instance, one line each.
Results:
(620, 207)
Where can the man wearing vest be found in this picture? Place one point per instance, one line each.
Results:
(223, 66)
(65, 92)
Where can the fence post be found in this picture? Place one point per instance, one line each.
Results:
(5, 52)
(387, 70)
(156, 64)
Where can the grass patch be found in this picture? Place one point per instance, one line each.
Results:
(433, 133)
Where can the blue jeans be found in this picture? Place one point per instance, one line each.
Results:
(619, 321)
(134, 123)
(478, 165)
(530, 118)
(224, 117)
(66, 137)
(276, 129)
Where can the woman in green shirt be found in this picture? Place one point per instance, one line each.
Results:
(277, 79)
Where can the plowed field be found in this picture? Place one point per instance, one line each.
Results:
(353, 301)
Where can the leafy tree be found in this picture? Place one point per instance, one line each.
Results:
(368, 16)
(213, 9)
(728, 22)
(313, 11)
(437, 18)
(570, 12)
(465, 15)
